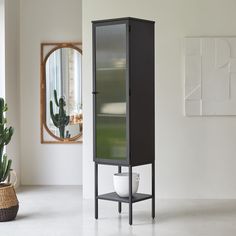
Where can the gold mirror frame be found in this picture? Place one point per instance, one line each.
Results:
(43, 126)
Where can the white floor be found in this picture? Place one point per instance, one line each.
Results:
(60, 211)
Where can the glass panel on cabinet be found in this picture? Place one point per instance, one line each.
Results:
(111, 92)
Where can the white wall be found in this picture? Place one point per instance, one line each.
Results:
(195, 157)
(2, 49)
(51, 21)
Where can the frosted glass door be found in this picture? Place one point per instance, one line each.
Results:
(111, 69)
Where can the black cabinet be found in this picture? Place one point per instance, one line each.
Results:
(123, 93)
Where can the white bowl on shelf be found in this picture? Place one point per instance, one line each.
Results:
(121, 183)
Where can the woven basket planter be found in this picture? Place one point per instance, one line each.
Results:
(9, 204)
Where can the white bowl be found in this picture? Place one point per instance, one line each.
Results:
(121, 183)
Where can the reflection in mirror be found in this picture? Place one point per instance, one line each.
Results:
(63, 118)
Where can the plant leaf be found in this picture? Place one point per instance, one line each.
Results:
(7, 172)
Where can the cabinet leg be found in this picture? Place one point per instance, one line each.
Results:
(119, 203)
(96, 189)
(119, 207)
(153, 190)
(130, 197)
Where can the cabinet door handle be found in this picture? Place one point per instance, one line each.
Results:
(95, 92)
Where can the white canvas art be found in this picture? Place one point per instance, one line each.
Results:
(210, 76)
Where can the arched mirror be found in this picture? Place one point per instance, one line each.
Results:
(61, 93)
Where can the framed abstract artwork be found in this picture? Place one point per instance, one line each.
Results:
(210, 76)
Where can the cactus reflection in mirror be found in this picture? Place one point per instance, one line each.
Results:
(60, 119)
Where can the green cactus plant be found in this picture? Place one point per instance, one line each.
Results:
(5, 138)
(60, 119)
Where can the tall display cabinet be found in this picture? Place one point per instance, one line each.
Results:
(124, 101)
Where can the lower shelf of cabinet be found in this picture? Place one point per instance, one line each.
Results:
(137, 197)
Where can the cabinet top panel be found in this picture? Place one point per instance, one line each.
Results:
(122, 19)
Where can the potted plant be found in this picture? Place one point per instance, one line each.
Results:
(8, 201)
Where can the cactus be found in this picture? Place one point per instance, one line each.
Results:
(60, 119)
(5, 138)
